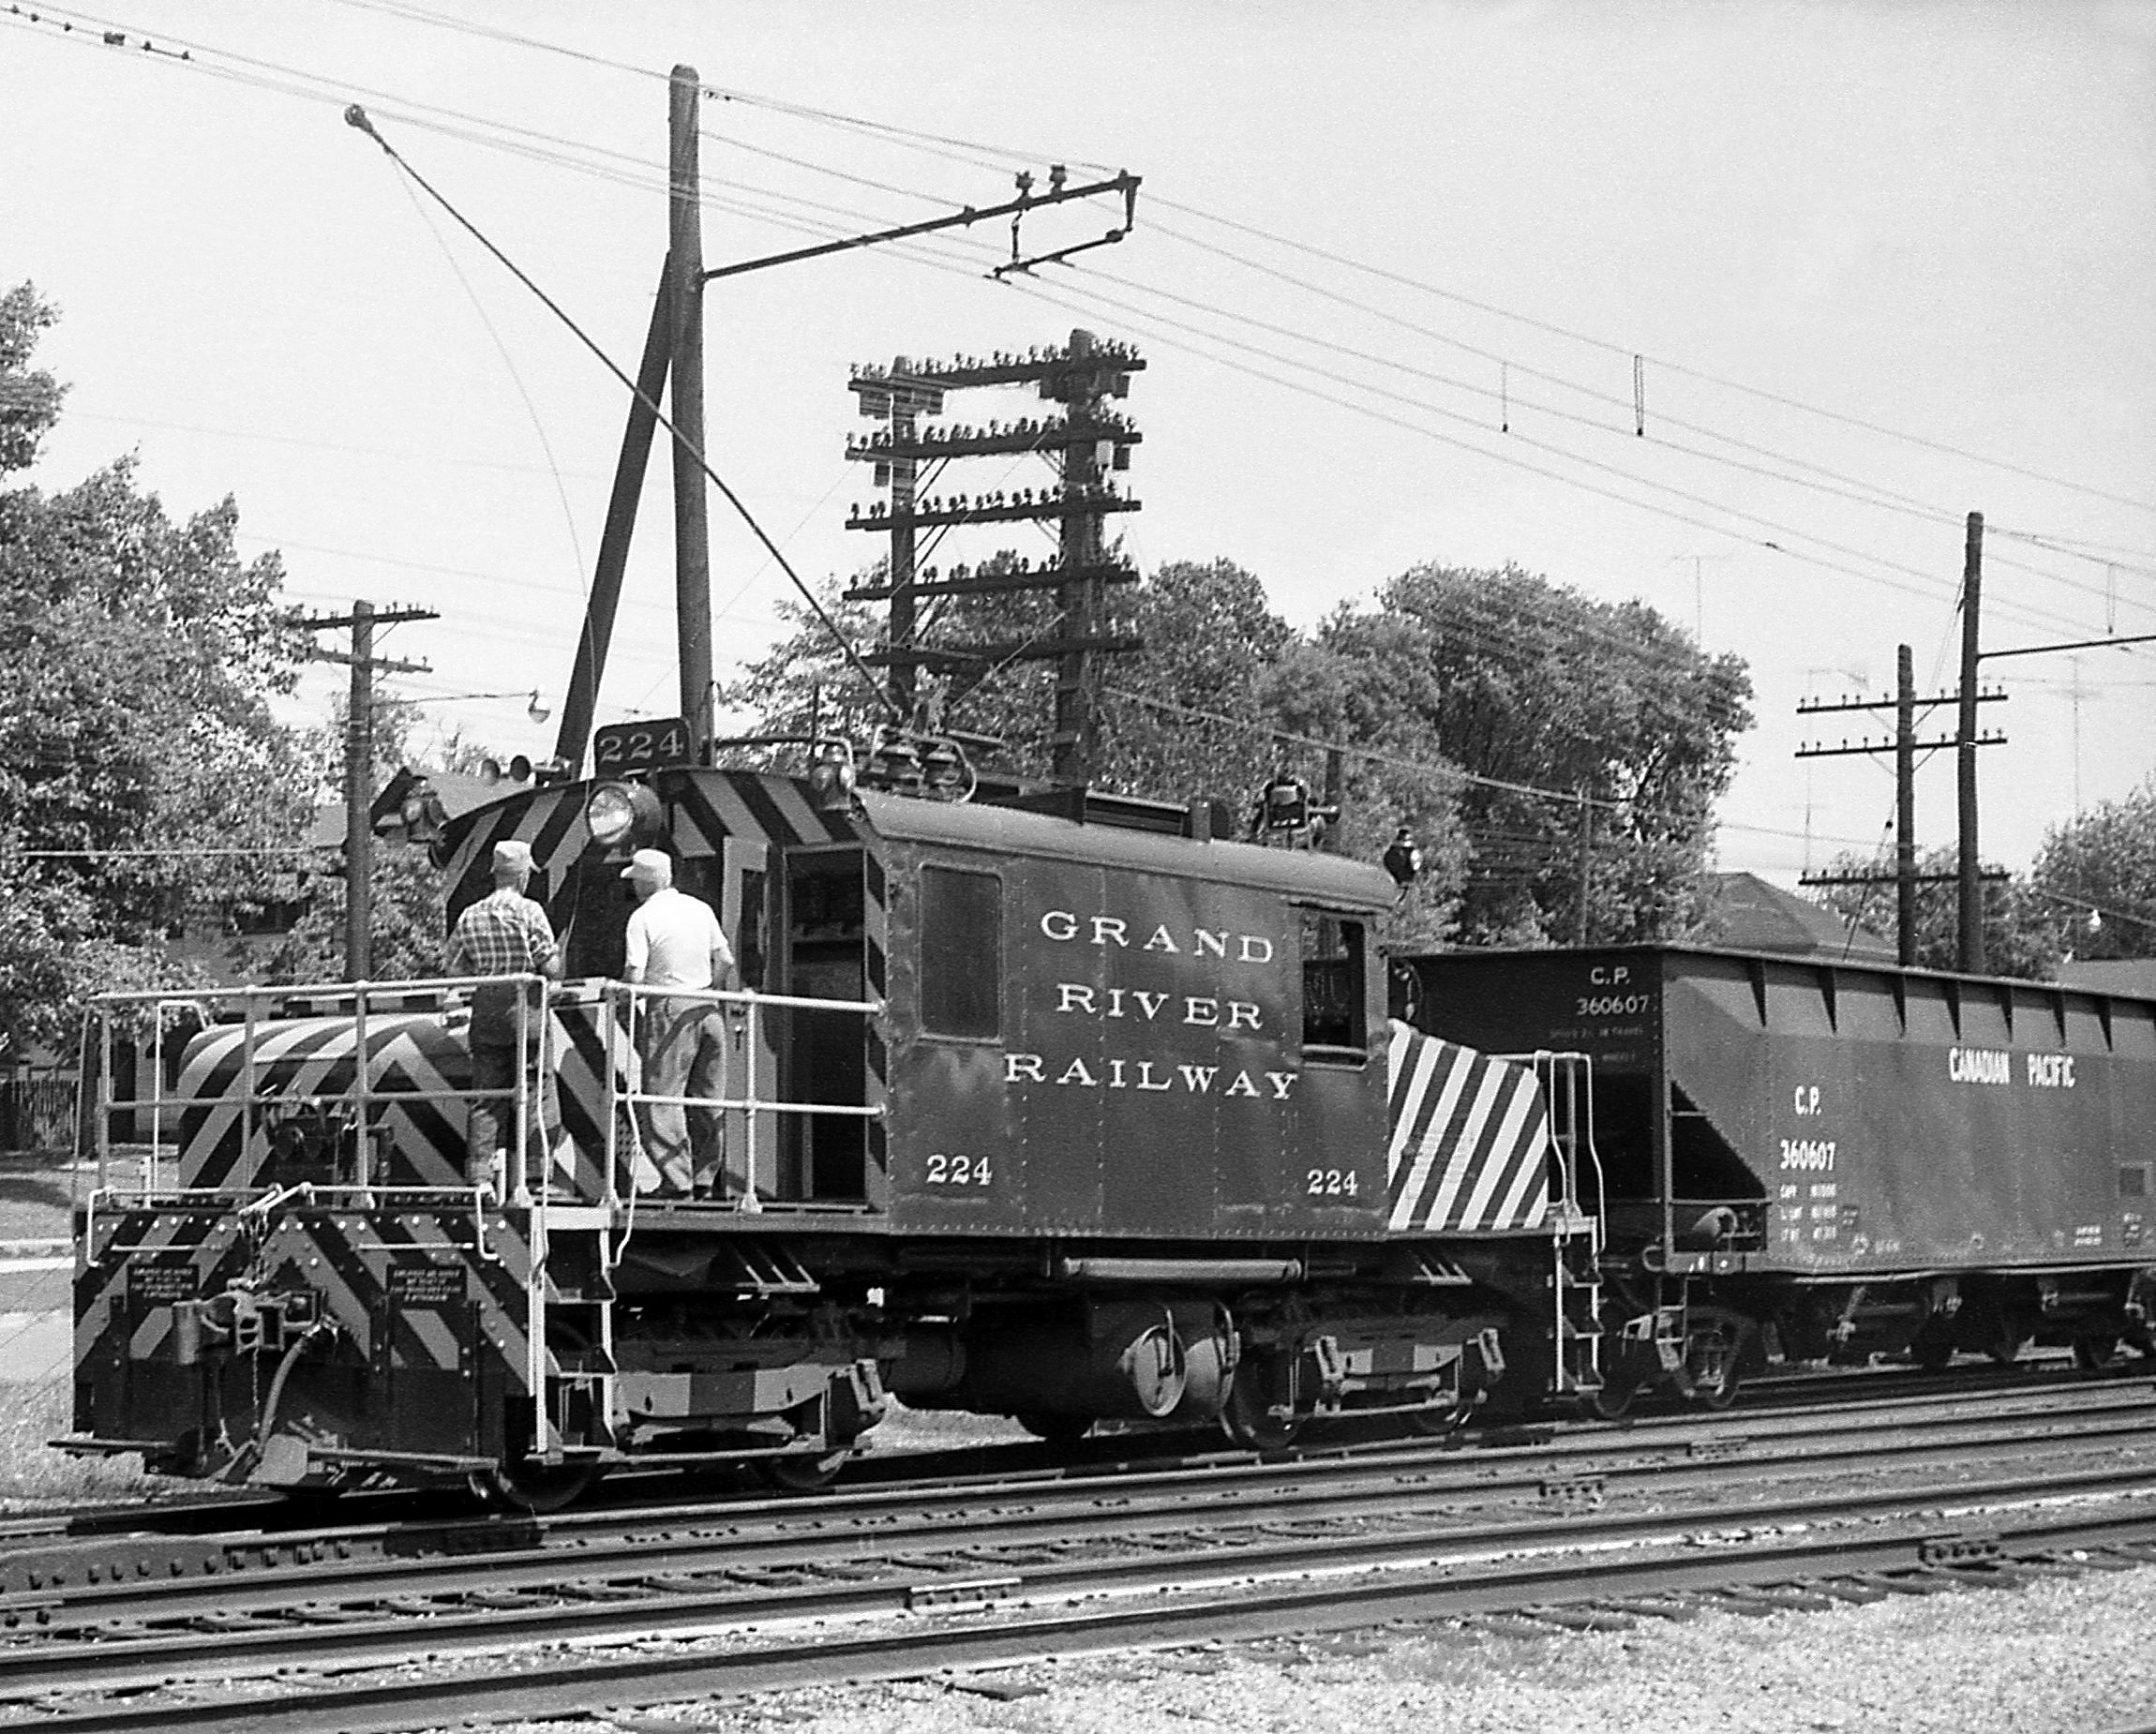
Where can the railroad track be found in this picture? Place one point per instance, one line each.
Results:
(982, 1572)
(42, 1574)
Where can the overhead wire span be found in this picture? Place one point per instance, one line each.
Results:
(1930, 587)
(1609, 346)
(356, 117)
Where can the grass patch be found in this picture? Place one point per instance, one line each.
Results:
(34, 1196)
(33, 1473)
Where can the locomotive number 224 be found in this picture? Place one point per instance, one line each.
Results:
(958, 1170)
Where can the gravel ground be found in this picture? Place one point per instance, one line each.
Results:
(2069, 1656)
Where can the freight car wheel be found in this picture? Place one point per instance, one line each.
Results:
(2092, 1353)
(1713, 1351)
(1612, 1399)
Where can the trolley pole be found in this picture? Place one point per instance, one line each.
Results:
(691, 522)
(1969, 883)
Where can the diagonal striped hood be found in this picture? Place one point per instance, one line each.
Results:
(1470, 1139)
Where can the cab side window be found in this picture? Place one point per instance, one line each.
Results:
(961, 953)
(1333, 961)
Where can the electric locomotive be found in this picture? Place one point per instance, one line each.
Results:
(1053, 1105)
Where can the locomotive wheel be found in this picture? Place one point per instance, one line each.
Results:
(1932, 1353)
(1057, 1429)
(1435, 1420)
(1250, 1416)
(1613, 1402)
(535, 1487)
(2092, 1353)
(806, 1474)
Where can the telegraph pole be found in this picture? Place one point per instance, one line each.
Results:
(1904, 745)
(692, 523)
(359, 760)
(1969, 883)
(1905, 805)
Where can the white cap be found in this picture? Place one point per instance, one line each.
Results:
(654, 865)
(512, 857)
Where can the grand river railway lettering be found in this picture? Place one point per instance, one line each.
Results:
(1171, 1012)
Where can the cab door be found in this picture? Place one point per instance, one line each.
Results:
(744, 899)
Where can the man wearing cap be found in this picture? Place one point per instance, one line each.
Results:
(675, 941)
(504, 933)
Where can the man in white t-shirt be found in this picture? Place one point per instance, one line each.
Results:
(675, 941)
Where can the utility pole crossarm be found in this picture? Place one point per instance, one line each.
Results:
(2078, 644)
(1851, 748)
(1125, 184)
(1995, 874)
(1821, 707)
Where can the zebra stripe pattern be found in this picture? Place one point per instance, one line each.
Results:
(1470, 1145)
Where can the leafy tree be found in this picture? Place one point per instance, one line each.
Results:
(1530, 689)
(2101, 863)
(142, 778)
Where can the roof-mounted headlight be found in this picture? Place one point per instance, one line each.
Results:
(620, 812)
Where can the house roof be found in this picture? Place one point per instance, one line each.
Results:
(1745, 913)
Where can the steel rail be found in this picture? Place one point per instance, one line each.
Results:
(162, 1579)
(1288, 1604)
(734, 1593)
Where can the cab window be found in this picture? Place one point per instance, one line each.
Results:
(961, 953)
(1333, 1016)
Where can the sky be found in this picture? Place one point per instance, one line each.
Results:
(1879, 266)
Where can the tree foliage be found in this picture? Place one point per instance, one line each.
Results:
(2101, 864)
(143, 777)
(1527, 690)
(1452, 707)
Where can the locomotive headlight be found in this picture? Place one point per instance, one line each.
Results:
(615, 812)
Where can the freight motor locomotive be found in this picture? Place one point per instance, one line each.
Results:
(1059, 1108)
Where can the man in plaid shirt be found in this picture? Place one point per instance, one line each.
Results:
(504, 933)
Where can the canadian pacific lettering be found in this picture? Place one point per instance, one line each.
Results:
(1979, 1065)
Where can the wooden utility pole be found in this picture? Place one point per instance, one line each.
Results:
(1969, 883)
(1905, 805)
(692, 523)
(905, 496)
(1586, 862)
(359, 762)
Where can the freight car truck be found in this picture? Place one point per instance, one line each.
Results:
(1833, 1161)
